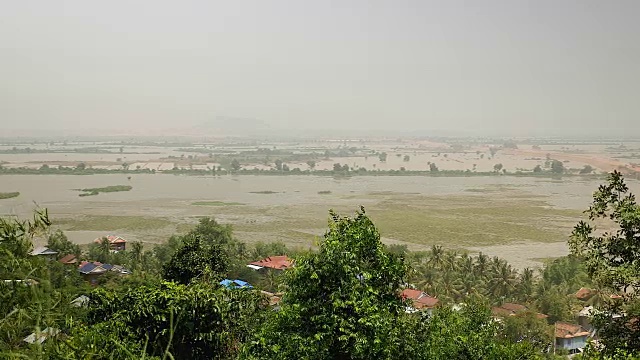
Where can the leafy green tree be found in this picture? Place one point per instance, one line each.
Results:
(497, 167)
(382, 157)
(279, 165)
(341, 302)
(612, 260)
(526, 326)
(433, 167)
(100, 251)
(235, 165)
(537, 169)
(587, 169)
(557, 167)
(194, 260)
(406, 158)
(467, 333)
(59, 242)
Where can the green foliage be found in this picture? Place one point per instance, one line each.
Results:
(107, 189)
(557, 167)
(341, 302)
(587, 169)
(612, 260)
(198, 321)
(59, 242)
(235, 165)
(528, 327)
(194, 260)
(468, 333)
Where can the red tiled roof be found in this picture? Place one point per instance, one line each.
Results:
(68, 259)
(113, 239)
(275, 262)
(566, 330)
(420, 299)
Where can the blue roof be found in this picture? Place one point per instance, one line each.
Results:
(107, 266)
(87, 267)
(235, 284)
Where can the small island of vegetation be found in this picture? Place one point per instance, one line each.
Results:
(8, 195)
(107, 189)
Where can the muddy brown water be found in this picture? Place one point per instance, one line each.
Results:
(171, 196)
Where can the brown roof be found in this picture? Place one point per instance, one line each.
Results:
(275, 262)
(113, 239)
(567, 331)
(69, 259)
(584, 294)
(420, 299)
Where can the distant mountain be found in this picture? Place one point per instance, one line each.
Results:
(234, 126)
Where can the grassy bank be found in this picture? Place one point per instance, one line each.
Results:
(110, 223)
(8, 195)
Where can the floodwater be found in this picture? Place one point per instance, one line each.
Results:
(54, 191)
(171, 196)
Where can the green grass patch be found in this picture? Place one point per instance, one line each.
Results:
(110, 223)
(8, 195)
(471, 220)
(324, 192)
(107, 189)
(216, 203)
(266, 192)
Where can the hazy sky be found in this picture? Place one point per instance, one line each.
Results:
(517, 67)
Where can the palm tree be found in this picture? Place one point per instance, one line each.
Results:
(482, 265)
(436, 256)
(502, 283)
(525, 285)
(136, 255)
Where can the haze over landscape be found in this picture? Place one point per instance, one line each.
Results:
(514, 68)
(320, 180)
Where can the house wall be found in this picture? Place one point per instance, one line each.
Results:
(572, 343)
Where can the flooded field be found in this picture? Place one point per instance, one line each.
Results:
(521, 219)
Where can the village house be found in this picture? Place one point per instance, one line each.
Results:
(235, 284)
(116, 243)
(419, 300)
(68, 259)
(44, 252)
(91, 271)
(570, 337)
(273, 262)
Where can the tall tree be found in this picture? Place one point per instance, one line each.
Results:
(612, 260)
(341, 302)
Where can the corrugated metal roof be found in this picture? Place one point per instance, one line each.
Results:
(43, 250)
